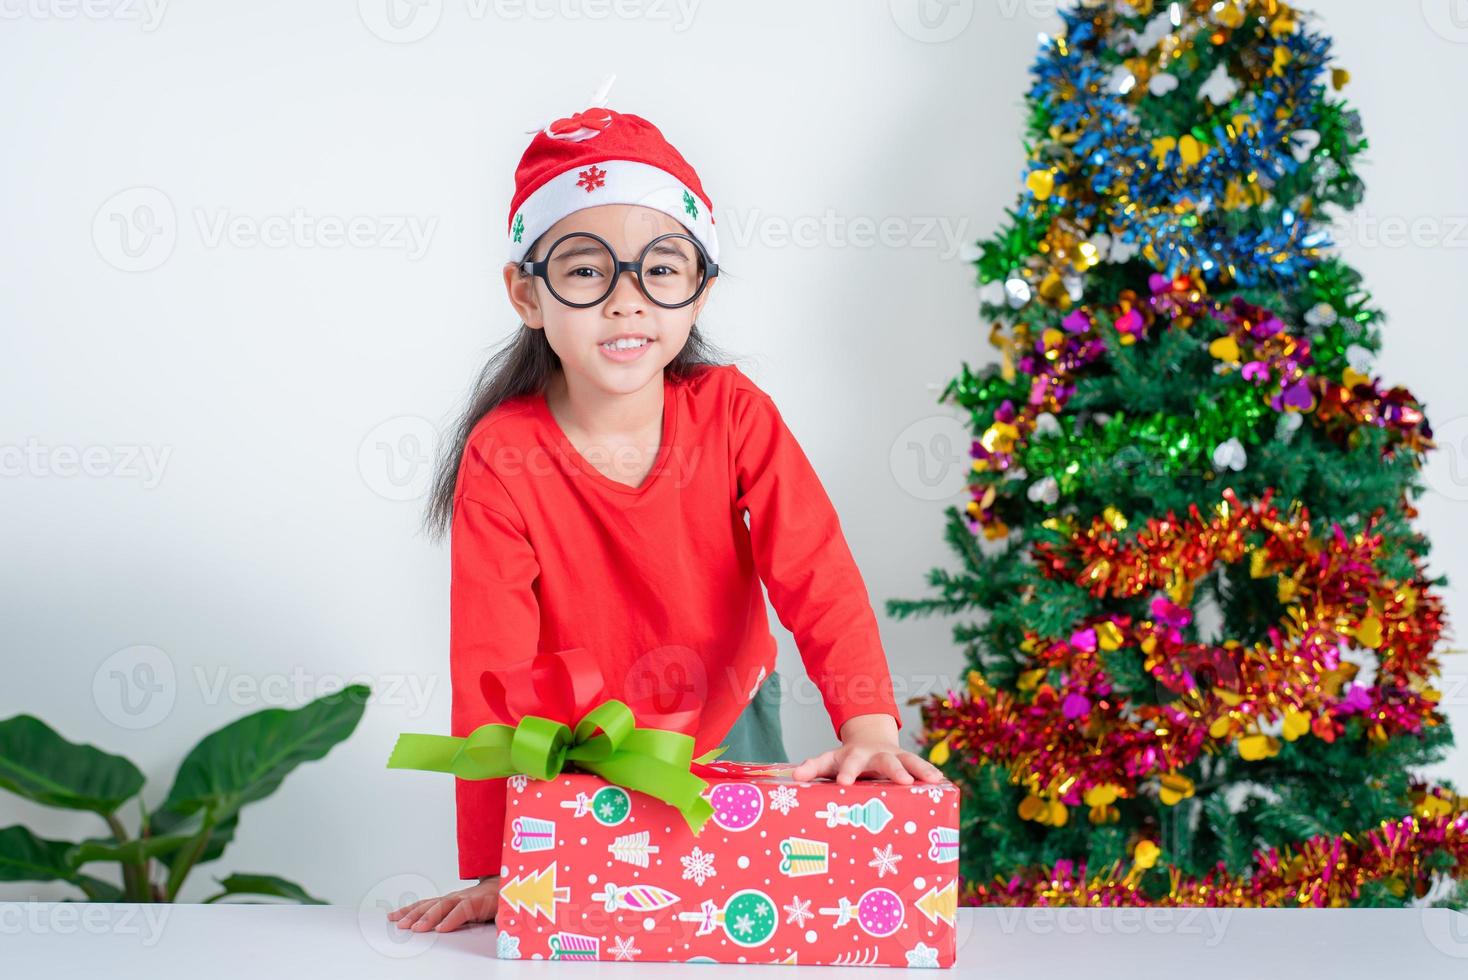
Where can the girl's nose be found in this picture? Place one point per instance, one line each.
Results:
(627, 297)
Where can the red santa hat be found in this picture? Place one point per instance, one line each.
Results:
(601, 156)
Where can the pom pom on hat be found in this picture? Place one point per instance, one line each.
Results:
(601, 156)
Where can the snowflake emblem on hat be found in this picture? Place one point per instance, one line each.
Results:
(592, 179)
(580, 125)
(690, 204)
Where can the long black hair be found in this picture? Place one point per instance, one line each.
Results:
(523, 365)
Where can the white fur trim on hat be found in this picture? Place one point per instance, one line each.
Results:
(610, 182)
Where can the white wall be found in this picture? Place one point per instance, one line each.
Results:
(266, 551)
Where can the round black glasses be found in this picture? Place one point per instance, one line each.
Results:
(581, 270)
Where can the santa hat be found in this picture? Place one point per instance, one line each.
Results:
(601, 156)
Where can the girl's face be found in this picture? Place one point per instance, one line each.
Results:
(577, 335)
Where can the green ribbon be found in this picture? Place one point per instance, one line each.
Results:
(606, 741)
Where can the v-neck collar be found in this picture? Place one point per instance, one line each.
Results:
(670, 425)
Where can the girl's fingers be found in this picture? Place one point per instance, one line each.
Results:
(457, 916)
(398, 913)
(432, 917)
(412, 914)
(814, 767)
(892, 766)
(900, 767)
(922, 767)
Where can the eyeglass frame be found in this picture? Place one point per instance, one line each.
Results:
(541, 268)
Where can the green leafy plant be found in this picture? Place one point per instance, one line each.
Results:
(241, 763)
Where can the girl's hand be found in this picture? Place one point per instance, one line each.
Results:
(868, 744)
(477, 903)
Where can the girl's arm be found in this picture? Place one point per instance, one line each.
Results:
(494, 620)
(818, 593)
(806, 564)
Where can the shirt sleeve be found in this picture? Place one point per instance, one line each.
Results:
(494, 620)
(805, 562)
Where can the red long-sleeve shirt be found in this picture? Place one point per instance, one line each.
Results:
(661, 580)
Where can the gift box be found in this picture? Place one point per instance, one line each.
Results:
(784, 872)
(620, 845)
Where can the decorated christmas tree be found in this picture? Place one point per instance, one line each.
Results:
(1200, 631)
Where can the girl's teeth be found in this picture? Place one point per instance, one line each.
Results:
(624, 344)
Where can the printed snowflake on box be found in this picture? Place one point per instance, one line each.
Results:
(922, 955)
(782, 798)
(934, 791)
(799, 911)
(624, 948)
(699, 865)
(884, 860)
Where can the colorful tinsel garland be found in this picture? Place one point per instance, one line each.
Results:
(1320, 872)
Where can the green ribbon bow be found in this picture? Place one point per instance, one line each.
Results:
(606, 741)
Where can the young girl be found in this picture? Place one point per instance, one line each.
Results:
(599, 485)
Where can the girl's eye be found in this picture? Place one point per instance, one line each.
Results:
(585, 268)
(665, 270)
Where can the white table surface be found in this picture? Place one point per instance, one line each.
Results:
(219, 942)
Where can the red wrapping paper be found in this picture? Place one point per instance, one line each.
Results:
(785, 872)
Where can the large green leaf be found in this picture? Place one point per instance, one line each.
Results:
(256, 884)
(98, 890)
(167, 822)
(26, 857)
(40, 765)
(131, 852)
(246, 760)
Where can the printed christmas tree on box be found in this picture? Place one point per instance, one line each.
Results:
(784, 872)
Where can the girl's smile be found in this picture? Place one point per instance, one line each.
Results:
(626, 346)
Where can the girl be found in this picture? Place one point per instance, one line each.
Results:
(599, 483)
